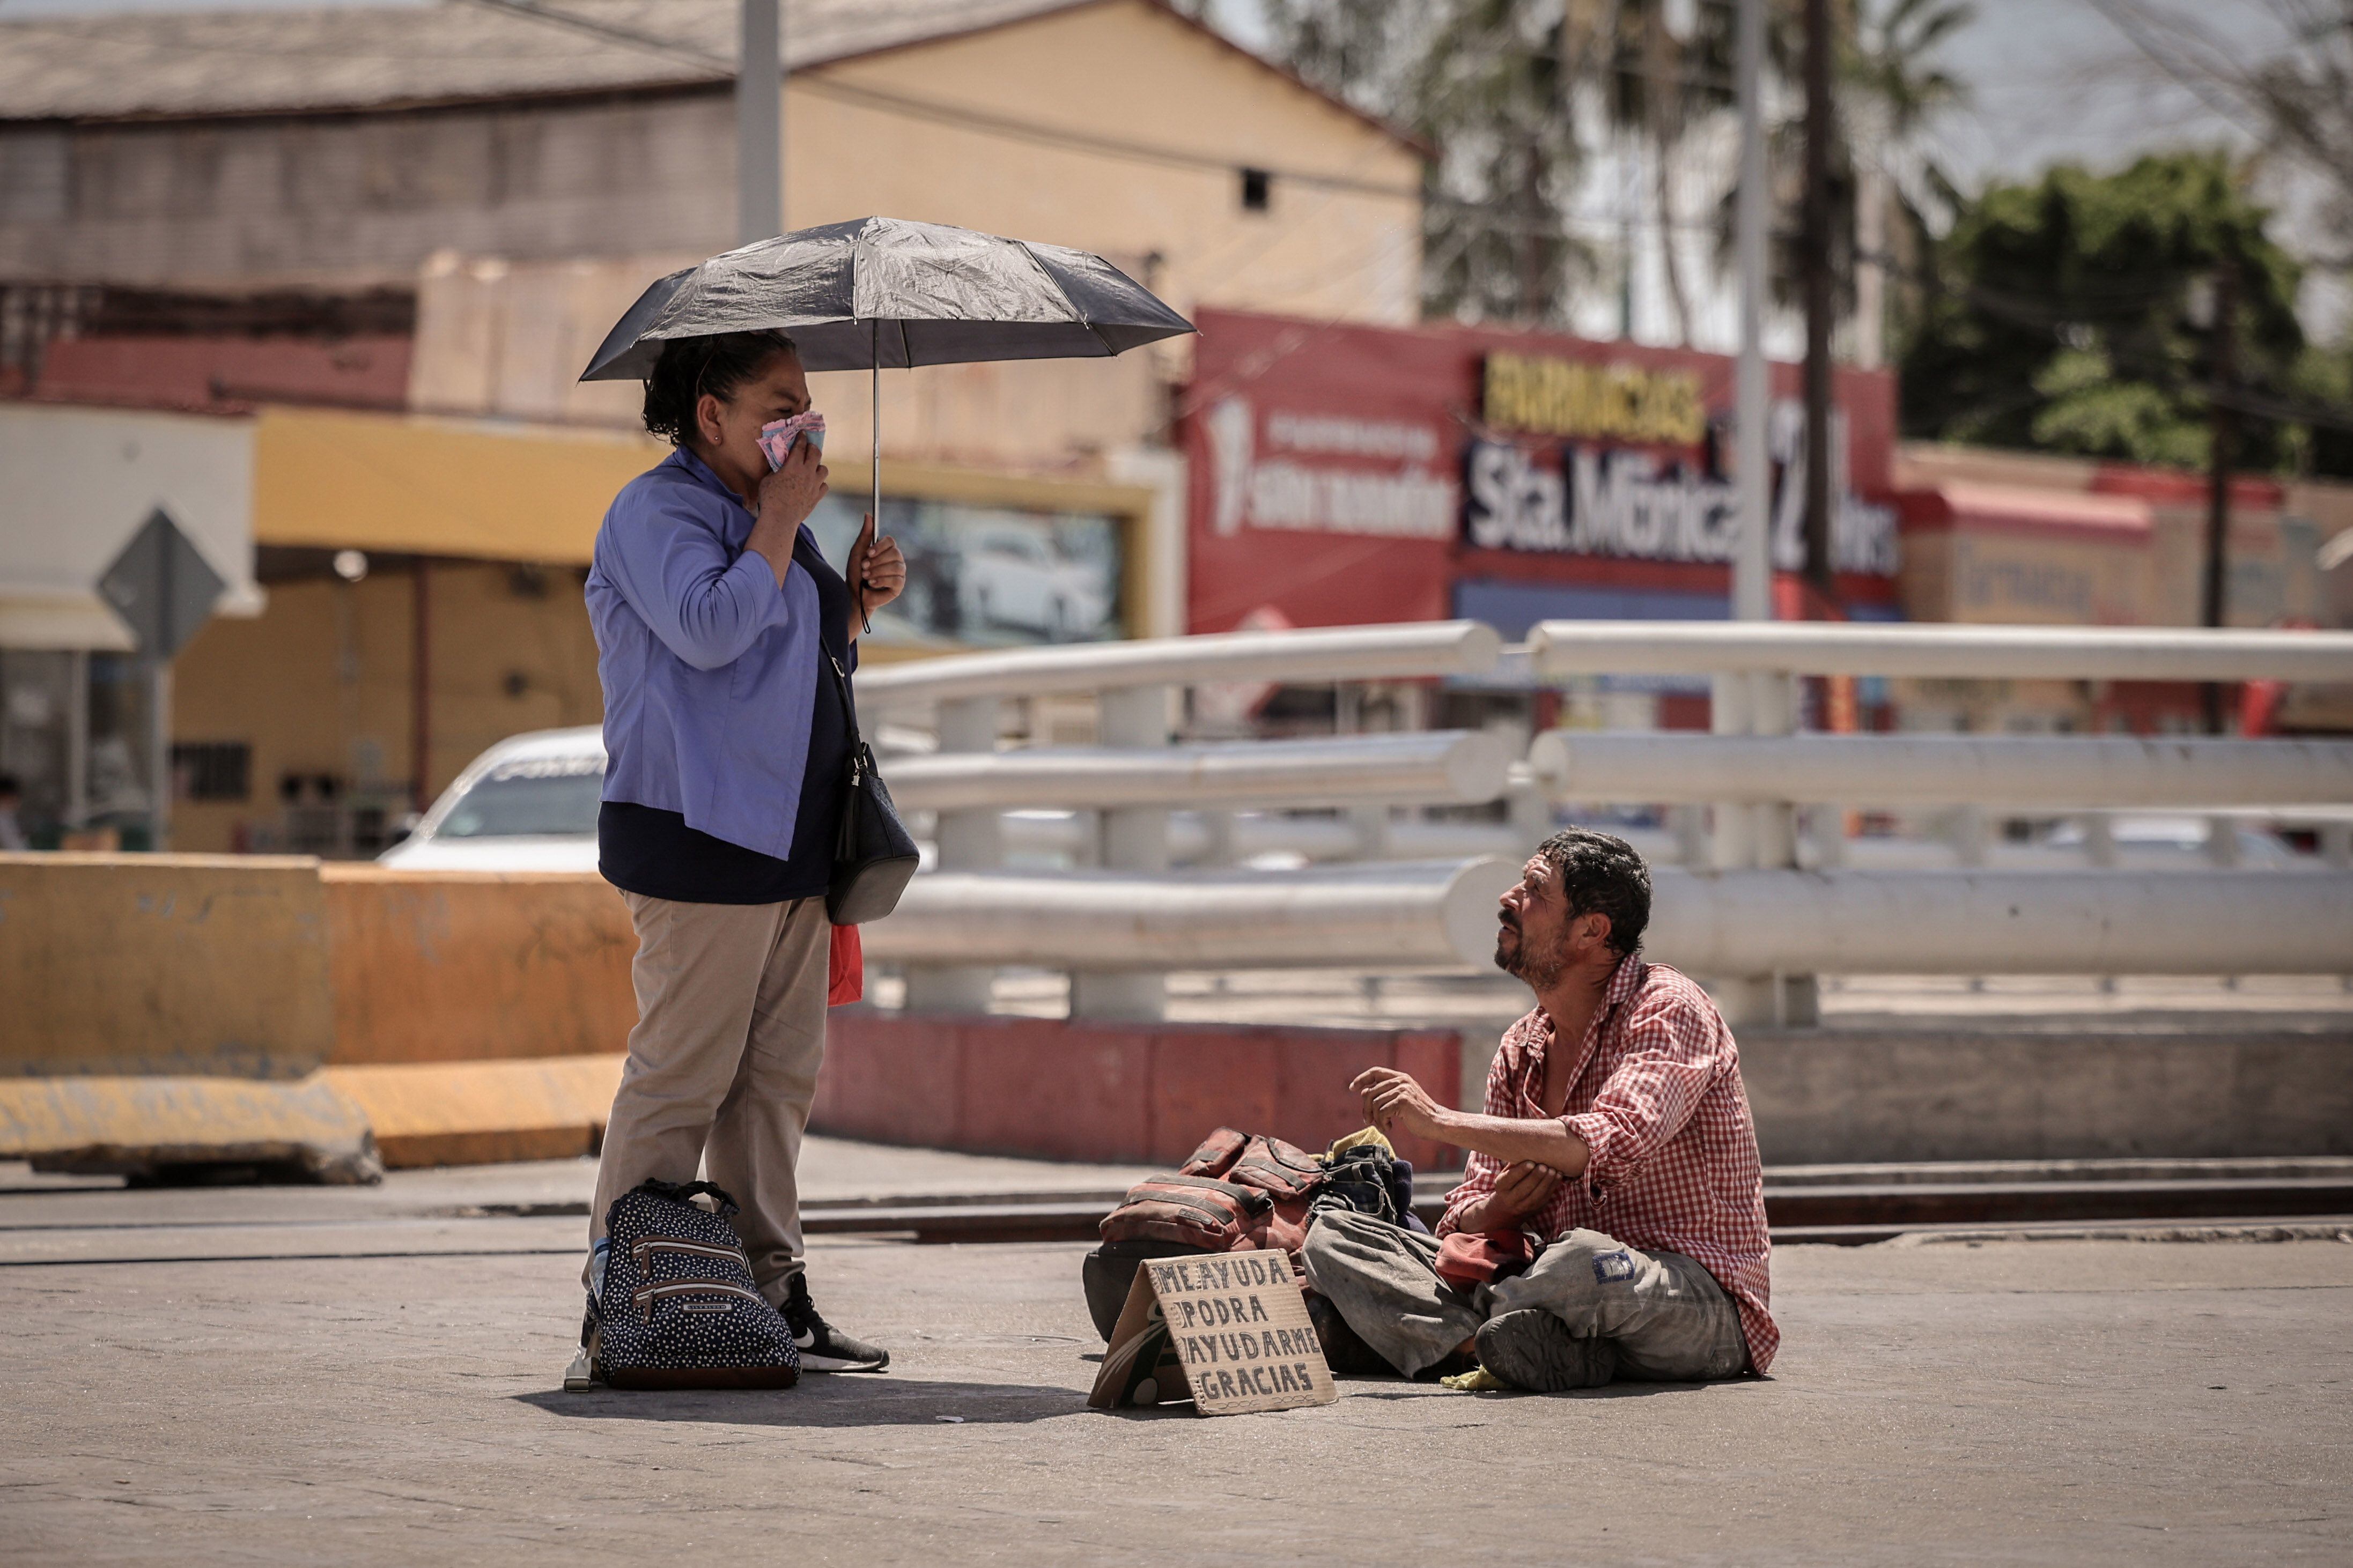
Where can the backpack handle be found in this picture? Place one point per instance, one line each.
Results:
(686, 1192)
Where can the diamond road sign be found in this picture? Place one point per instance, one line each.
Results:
(161, 586)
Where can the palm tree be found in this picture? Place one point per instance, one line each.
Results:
(1660, 84)
(1892, 88)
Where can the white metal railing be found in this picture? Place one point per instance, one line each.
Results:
(1739, 911)
(2108, 771)
(1407, 914)
(2017, 653)
(1133, 775)
(2002, 922)
(1424, 765)
(1321, 654)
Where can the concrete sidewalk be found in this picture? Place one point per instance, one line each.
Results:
(2047, 1402)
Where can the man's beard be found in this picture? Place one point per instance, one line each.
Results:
(1512, 956)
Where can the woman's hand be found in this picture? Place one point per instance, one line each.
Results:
(786, 499)
(877, 574)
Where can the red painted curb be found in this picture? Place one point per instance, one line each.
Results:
(1114, 1093)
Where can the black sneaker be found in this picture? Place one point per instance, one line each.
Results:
(823, 1347)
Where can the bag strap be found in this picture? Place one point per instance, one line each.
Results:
(841, 684)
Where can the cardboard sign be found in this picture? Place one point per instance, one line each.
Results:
(1229, 1332)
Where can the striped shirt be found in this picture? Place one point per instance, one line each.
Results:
(1655, 1094)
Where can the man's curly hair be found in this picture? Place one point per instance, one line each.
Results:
(1601, 874)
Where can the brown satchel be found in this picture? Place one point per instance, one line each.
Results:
(1238, 1190)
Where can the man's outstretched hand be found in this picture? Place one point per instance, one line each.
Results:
(1395, 1103)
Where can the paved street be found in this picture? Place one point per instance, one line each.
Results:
(265, 1396)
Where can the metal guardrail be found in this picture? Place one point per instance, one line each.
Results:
(1425, 766)
(2002, 922)
(1321, 654)
(2106, 770)
(2021, 653)
(1413, 914)
(1738, 912)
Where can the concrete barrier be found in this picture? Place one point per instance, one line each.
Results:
(479, 1017)
(2086, 1092)
(162, 1010)
(177, 1009)
(181, 964)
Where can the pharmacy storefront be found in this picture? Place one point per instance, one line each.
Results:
(1347, 474)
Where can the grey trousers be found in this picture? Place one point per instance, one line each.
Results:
(722, 1065)
(1652, 1317)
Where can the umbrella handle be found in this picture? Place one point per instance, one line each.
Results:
(874, 371)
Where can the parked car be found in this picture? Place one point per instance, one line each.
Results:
(1014, 577)
(528, 804)
(2155, 843)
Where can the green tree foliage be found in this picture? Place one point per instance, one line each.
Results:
(1486, 84)
(2076, 314)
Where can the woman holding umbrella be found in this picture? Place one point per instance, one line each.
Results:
(717, 622)
(724, 639)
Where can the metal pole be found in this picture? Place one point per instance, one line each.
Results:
(874, 359)
(159, 833)
(2215, 607)
(760, 125)
(1820, 305)
(874, 384)
(1752, 565)
(420, 689)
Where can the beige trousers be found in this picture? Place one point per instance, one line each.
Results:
(722, 1065)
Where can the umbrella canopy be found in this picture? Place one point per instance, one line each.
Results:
(880, 292)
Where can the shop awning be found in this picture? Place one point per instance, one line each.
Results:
(1961, 503)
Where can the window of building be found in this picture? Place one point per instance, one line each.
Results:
(212, 770)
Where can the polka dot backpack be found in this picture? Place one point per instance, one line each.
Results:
(678, 1308)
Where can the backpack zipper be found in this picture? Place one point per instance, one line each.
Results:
(645, 1297)
(643, 1251)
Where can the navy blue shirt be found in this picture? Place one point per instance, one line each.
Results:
(653, 853)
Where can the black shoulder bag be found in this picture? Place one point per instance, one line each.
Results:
(875, 855)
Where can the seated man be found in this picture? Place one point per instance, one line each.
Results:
(1617, 1137)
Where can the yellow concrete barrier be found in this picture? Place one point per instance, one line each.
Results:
(148, 963)
(166, 1009)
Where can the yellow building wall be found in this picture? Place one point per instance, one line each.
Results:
(1124, 73)
(322, 683)
(511, 336)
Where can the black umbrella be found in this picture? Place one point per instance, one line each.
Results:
(880, 291)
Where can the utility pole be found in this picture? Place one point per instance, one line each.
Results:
(2224, 436)
(760, 124)
(1819, 304)
(1752, 561)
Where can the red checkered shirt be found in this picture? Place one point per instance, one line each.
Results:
(1655, 1094)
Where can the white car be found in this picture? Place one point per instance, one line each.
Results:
(1013, 577)
(528, 804)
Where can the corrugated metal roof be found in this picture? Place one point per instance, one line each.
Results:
(361, 56)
